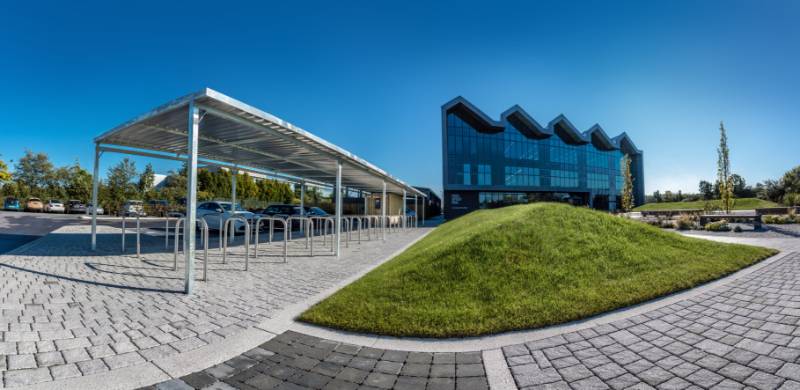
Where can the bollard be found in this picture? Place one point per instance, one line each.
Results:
(138, 241)
(123, 233)
(166, 233)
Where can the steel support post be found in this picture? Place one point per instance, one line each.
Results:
(191, 197)
(403, 210)
(383, 211)
(416, 212)
(338, 191)
(302, 202)
(95, 184)
(234, 173)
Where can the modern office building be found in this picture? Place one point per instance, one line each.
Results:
(433, 204)
(489, 163)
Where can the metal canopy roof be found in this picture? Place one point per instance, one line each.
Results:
(238, 134)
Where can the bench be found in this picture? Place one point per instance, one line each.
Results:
(706, 218)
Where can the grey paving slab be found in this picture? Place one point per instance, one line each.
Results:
(298, 361)
(743, 334)
(66, 311)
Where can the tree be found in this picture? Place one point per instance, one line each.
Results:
(791, 181)
(668, 196)
(147, 178)
(657, 196)
(78, 184)
(5, 175)
(627, 185)
(120, 184)
(706, 189)
(724, 171)
(33, 172)
(772, 190)
(739, 186)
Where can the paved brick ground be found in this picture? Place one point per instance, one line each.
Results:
(66, 311)
(296, 361)
(744, 334)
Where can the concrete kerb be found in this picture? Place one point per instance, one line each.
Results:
(286, 319)
(496, 341)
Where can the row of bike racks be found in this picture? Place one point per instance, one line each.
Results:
(355, 228)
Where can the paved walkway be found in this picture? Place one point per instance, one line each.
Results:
(68, 314)
(737, 333)
(742, 335)
(71, 316)
(297, 361)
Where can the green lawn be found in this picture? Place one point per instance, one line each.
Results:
(739, 204)
(524, 267)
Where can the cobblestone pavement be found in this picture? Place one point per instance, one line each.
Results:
(66, 311)
(743, 334)
(296, 361)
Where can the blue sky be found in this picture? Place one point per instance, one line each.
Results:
(371, 76)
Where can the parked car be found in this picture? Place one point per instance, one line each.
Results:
(89, 210)
(11, 204)
(315, 212)
(283, 211)
(133, 208)
(34, 204)
(75, 207)
(54, 206)
(216, 213)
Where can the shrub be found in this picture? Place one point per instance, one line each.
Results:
(684, 222)
(737, 229)
(781, 219)
(791, 199)
(718, 226)
(710, 206)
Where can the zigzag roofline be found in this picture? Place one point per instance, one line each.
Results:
(530, 128)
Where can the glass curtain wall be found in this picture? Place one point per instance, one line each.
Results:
(511, 160)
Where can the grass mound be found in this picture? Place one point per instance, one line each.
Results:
(738, 204)
(524, 267)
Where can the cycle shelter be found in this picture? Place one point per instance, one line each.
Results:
(208, 128)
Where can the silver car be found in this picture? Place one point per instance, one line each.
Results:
(216, 213)
(54, 206)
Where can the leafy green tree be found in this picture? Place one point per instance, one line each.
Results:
(146, 179)
(33, 172)
(175, 186)
(772, 190)
(5, 175)
(10, 188)
(724, 171)
(245, 187)
(627, 185)
(739, 186)
(120, 185)
(78, 184)
(706, 189)
(791, 180)
(657, 196)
